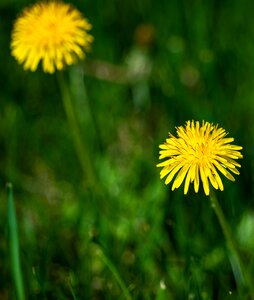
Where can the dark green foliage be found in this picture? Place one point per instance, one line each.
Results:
(166, 62)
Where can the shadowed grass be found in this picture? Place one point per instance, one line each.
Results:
(114, 271)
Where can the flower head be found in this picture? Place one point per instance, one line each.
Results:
(199, 151)
(52, 32)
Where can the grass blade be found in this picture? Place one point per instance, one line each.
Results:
(14, 245)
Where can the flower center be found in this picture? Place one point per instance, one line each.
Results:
(203, 149)
(200, 152)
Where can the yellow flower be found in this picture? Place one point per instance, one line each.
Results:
(52, 32)
(199, 151)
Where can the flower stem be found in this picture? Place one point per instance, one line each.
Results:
(14, 245)
(236, 262)
(81, 150)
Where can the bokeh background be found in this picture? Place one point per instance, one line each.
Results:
(153, 65)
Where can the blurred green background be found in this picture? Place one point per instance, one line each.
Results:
(153, 65)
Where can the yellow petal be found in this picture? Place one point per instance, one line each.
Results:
(180, 177)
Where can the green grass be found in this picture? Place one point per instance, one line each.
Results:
(127, 236)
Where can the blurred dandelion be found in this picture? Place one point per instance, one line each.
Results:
(198, 152)
(56, 34)
(52, 32)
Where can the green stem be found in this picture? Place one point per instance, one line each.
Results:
(81, 150)
(239, 271)
(116, 274)
(72, 291)
(14, 245)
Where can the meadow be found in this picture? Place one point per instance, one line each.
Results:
(94, 219)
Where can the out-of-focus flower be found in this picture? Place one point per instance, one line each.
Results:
(52, 32)
(199, 151)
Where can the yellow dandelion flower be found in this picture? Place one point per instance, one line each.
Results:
(52, 32)
(199, 151)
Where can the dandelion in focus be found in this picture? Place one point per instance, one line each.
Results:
(52, 32)
(197, 153)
